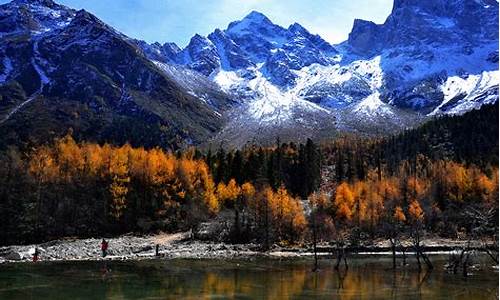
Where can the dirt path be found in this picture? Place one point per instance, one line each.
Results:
(165, 238)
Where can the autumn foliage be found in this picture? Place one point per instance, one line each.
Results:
(83, 189)
(354, 187)
(433, 198)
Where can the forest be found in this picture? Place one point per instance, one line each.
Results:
(439, 179)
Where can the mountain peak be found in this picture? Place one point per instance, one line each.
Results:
(84, 19)
(82, 14)
(251, 21)
(47, 3)
(422, 22)
(256, 16)
(199, 43)
(297, 28)
(434, 6)
(172, 46)
(218, 32)
(199, 39)
(444, 7)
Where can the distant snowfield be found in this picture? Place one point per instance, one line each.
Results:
(463, 77)
(270, 104)
(469, 89)
(227, 79)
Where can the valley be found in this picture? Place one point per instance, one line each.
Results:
(258, 148)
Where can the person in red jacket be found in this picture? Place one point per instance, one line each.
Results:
(104, 247)
(35, 255)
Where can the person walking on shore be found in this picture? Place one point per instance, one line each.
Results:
(35, 255)
(104, 247)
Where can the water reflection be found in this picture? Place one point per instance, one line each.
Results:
(368, 278)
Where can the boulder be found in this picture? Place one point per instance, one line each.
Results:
(12, 255)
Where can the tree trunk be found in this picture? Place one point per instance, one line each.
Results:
(314, 244)
(457, 262)
(267, 228)
(345, 259)
(236, 223)
(427, 260)
(465, 265)
(37, 212)
(339, 259)
(393, 246)
(417, 254)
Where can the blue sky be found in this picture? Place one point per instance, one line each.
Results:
(179, 20)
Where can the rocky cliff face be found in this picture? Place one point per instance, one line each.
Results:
(419, 23)
(231, 55)
(436, 56)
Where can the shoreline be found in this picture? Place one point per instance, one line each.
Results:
(182, 246)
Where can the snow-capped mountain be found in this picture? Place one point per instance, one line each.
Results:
(64, 69)
(426, 50)
(254, 80)
(428, 58)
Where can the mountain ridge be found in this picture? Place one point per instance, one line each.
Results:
(387, 88)
(93, 80)
(256, 80)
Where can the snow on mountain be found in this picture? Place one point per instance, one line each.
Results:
(468, 92)
(33, 17)
(429, 57)
(266, 112)
(20, 19)
(257, 35)
(372, 104)
(61, 68)
(231, 55)
(274, 105)
(199, 86)
(266, 103)
(200, 55)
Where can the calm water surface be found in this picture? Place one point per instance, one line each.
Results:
(366, 278)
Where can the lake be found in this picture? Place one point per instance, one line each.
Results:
(368, 277)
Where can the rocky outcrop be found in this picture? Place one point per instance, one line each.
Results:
(200, 55)
(440, 22)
